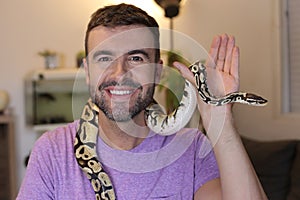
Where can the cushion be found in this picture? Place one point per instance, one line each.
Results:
(272, 162)
(294, 193)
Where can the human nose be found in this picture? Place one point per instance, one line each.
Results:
(119, 69)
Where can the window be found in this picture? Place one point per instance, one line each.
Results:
(291, 56)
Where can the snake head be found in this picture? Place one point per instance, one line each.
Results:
(255, 100)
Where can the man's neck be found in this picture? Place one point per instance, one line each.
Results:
(123, 135)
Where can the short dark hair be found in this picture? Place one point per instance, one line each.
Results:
(122, 15)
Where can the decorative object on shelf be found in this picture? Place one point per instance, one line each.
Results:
(79, 58)
(51, 60)
(4, 100)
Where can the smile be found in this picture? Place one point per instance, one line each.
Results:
(121, 92)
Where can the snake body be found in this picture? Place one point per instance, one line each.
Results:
(86, 156)
(167, 124)
(199, 71)
(161, 123)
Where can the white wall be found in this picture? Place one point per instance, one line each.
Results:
(31, 26)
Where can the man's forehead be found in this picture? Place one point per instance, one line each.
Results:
(124, 38)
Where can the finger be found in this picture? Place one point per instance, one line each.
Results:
(213, 52)
(235, 63)
(185, 72)
(222, 52)
(228, 58)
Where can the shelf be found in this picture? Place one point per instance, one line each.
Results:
(8, 172)
(5, 118)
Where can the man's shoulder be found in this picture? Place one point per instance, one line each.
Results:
(58, 137)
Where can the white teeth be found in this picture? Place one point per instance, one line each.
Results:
(120, 92)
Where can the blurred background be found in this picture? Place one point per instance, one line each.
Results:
(31, 26)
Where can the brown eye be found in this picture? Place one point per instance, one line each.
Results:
(104, 59)
(136, 59)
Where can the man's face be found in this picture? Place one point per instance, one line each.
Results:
(121, 70)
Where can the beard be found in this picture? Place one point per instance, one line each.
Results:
(121, 111)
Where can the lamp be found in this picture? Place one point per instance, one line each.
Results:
(171, 7)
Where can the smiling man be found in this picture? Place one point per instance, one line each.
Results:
(112, 67)
(110, 153)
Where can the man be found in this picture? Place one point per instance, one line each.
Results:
(122, 67)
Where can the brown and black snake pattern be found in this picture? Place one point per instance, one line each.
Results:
(85, 153)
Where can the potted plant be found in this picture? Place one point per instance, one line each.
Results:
(79, 58)
(50, 58)
(172, 83)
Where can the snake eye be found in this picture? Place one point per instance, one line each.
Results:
(251, 96)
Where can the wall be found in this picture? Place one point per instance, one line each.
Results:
(256, 26)
(31, 26)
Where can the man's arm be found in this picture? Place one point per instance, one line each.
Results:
(238, 179)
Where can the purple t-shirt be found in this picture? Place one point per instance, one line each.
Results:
(171, 167)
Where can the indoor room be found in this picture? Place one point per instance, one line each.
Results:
(42, 47)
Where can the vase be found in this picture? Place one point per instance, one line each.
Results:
(4, 100)
(51, 62)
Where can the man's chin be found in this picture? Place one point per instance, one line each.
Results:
(119, 119)
(117, 116)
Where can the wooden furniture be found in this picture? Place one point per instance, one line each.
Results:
(7, 156)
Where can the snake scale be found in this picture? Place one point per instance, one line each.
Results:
(159, 122)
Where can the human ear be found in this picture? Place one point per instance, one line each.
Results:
(158, 71)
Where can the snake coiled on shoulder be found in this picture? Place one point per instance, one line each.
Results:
(159, 122)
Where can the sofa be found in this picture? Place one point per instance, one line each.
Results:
(277, 164)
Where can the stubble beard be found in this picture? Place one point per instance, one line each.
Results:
(120, 111)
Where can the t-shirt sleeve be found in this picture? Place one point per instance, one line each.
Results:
(206, 167)
(38, 181)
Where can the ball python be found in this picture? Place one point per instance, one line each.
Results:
(156, 119)
(168, 124)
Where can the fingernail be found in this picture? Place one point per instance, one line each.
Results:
(177, 64)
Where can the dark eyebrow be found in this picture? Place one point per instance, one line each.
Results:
(139, 51)
(102, 52)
